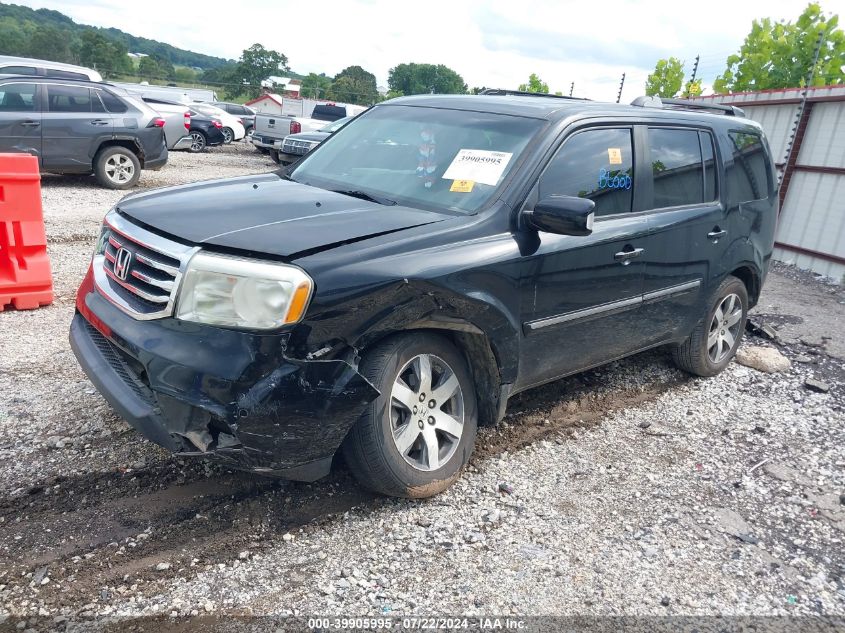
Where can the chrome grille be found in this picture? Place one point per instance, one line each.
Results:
(137, 270)
(297, 147)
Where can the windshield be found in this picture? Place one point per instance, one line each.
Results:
(332, 127)
(209, 110)
(417, 156)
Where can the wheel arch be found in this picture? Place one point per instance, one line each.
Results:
(132, 145)
(748, 274)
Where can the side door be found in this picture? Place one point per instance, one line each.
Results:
(689, 226)
(74, 121)
(20, 118)
(581, 295)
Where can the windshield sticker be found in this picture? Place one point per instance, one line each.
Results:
(462, 186)
(478, 165)
(614, 155)
(614, 180)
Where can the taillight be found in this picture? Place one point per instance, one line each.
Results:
(295, 127)
(217, 124)
(187, 120)
(156, 122)
(241, 121)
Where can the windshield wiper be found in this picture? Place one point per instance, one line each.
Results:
(363, 195)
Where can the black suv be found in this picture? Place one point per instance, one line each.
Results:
(431, 259)
(76, 126)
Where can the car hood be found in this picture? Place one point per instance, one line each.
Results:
(266, 214)
(307, 136)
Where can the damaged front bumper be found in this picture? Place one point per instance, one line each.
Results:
(229, 395)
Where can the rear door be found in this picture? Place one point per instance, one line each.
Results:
(20, 118)
(581, 295)
(690, 229)
(74, 122)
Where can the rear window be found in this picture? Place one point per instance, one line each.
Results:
(676, 166)
(112, 103)
(328, 112)
(748, 174)
(65, 74)
(18, 70)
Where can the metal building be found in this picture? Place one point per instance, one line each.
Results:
(811, 227)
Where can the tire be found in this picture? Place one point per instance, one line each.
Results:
(199, 142)
(274, 155)
(248, 131)
(228, 135)
(116, 167)
(372, 453)
(713, 343)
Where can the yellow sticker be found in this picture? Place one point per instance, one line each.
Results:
(462, 186)
(614, 155)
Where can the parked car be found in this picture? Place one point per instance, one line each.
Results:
(76, 126)
(243, 112)
(431, 259)
(205, 132)
(177, 122)
(44, 68)
(233, 128)
(295, 146)
(270, 128)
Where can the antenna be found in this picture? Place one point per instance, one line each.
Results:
(621, 83)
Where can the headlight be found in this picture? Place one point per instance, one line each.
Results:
(235, 292)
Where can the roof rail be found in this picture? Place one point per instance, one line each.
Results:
(686, 104)
(523, 93)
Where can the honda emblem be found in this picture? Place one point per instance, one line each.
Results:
(121, 263)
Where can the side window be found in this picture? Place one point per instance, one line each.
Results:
(96, 102)
(68, 99)
(596, 164)
(677, 167)
(65, 74)
(112, 103)
(18, 70)
(18, 98)
(748, 174)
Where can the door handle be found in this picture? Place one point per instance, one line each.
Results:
(31, 123)
(625, 257)
(716, 233)
(99, 122)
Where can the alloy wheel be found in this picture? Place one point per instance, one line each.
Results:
(426, 412)
(119, 169)
(724, 328)
(197, 142)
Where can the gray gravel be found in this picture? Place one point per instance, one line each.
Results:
(632, 489)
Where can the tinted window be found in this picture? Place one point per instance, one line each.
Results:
(597, 164)
(748, 175)
(676, 166)
(64, 74)
(709, 165)
(18, 70)
(68, 99)
(18, 98)
(112, 103)
(328, 112)
(96, 102)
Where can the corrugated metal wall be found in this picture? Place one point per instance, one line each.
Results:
(811, 227)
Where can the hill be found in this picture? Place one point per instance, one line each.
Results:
(48, 34)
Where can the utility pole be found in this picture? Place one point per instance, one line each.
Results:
(692, 79)
(621, 84)
(571, 88)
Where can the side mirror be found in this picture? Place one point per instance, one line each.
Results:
(565, 215)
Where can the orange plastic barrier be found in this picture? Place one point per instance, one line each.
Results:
(25, 279)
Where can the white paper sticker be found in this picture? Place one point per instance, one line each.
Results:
(479, 165)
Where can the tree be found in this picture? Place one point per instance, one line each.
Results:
(780, 54)
(414, 79)
(535, 84)
(667, 78)
(255, 65)
(315, 86)
(50, 43)
(355, 85)
(108, 57)
(155, 67)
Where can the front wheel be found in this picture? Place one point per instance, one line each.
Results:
(414, 439)
(714, 341)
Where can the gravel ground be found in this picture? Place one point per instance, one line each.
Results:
(633, 489)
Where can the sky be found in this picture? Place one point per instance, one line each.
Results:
(492, 43)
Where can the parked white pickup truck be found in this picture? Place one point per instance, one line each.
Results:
(270, 128)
